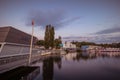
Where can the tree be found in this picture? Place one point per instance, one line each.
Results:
(58, 42)
(40, 42)
(49, 36)
(46, 38)
(79, 44)
(52, 33)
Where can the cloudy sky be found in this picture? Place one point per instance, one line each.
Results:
(81, 20)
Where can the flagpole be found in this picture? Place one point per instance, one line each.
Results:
(31, 44)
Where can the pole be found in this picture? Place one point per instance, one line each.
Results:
(31, 43)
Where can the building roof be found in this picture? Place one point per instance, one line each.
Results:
(13, 35)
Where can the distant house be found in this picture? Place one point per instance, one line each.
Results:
(89, 47)
(14, 41)
(84, 48)
(69, 45)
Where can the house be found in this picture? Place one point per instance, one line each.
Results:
(90, 47)
(69, 45)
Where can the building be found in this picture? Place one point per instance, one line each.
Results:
(13, 41)
(90, 47)
(69, 45)
(14, 48)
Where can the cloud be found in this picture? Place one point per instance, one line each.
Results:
(57, 18)
(109, 30)
(77, 38)
(95, 39)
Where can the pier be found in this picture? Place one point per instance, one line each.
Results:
(12, 61)
(21, 73)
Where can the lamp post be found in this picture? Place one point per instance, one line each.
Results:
(31, 43)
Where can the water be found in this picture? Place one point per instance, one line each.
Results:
(79, 66)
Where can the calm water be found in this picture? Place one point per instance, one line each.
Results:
(79, 66)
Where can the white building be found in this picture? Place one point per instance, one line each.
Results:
(69, 45)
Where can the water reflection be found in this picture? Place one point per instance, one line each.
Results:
(48, 67)
(80, 66)
(80, 56)
(58, 61)
(87, 56)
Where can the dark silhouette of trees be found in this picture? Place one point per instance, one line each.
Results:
(49, 36)
(112, 45)
(58, 42)
(52, 33)
(46, 38)
(40, 42)
(79, 44)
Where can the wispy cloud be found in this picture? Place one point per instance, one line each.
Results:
(57, 18)
(109, 30)
(77, 38)
(96, 39)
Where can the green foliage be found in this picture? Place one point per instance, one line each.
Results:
(46, 38)
(79, 44)
(113, 45)
(49, 36)
(52, 33)
(40, 42)
(57, 42)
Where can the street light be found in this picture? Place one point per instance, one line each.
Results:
(31, 42)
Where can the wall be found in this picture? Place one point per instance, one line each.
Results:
(13, 49)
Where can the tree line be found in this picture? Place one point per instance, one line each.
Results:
(112, 45)
(49, 39)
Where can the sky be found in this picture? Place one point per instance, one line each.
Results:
(79, 20)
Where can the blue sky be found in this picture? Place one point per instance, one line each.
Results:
(81, 20)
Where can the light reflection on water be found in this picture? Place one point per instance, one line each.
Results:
(79, 66)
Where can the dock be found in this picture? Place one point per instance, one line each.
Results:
(21, 73)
